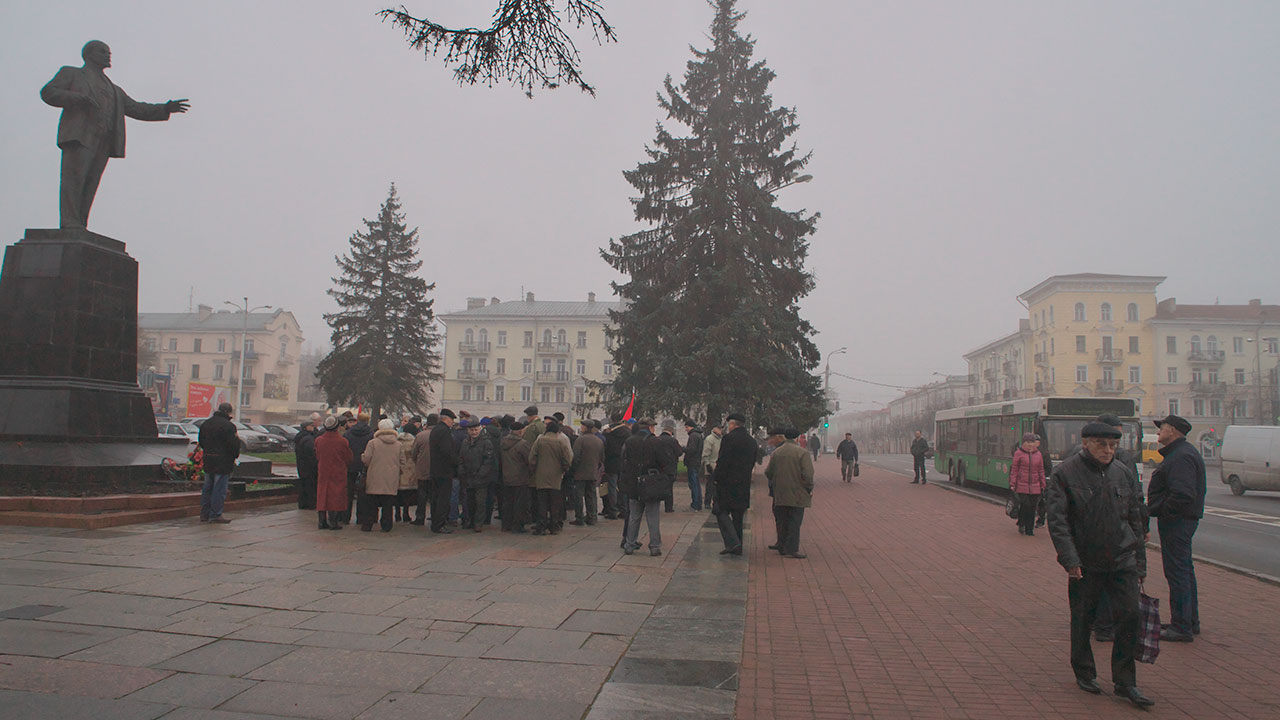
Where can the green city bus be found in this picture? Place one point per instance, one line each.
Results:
(975, 444)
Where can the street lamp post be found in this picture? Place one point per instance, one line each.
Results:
(826, 391)
(244, 333)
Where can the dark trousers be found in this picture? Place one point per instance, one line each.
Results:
(474, 503)
(306, 493)
(442, 489)
(548, 505)
(515, 507)
(492, 501)
(585, 506)
(918, 466)
(611, 508)
(846, 470)
(1027, 511)
(1083, 594)
(789, 520)
(1179, 572)
(624, 508)
(730, 522)
(373, 506)
(424, 499)
(567, 486)
(81, 172)
(353, 497)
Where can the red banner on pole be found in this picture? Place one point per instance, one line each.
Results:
(631, 406)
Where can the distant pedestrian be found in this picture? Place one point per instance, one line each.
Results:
(333, 456)
(358, 436)
(1096, 522)
(669, 452)
(221, 446)
(815, 445)
(847, 452)
(382, 460)
(639, 457)
(515, 479)
(1176, 501)
(737, 460)
(549, 459)
(444, 465)
(304, 448)
(710, 451)
(693, 463)
(476, 463)
(1026, 481)
(588, 466)
(919, 448)
(790, 474)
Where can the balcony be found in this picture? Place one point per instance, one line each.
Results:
(1111, 356)
(554, 348)
(473, 374)
(249, 382)
(474, 348)
(1042, 358)
(559, 376)
(1206, 357)
(249, 355)
(284, 359)
(1044, 388)
(1213, 389)
(1010, 367)
(1109, 387)
(989, 374)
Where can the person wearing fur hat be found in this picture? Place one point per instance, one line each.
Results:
(333, 456)
(382, 459)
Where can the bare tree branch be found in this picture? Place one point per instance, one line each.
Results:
(526, 45)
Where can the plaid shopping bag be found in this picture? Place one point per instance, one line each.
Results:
(1148, 628)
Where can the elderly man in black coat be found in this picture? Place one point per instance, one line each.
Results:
(734, 466)
(1176, 501)
(221, 447)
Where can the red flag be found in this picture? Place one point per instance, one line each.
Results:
(359, 408)
(631, 406)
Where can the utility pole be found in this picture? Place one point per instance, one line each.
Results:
(826, 392)
(244, 334)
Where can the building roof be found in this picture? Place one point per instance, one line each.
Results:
(1024, 330)
(1092, 281)
(219, 321)
(1255, 311)
(538, 308)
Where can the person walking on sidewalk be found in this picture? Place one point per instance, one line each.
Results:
(221, 446)
(737, 460)
(693, 463)
(1096, 522)
(333, 455)
(1026, 479)
(847, 452)
(381, 459)
(790, 474)
(919, 448)
(1176, 501)
(814, 446)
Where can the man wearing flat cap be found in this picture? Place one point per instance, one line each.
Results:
(734, 466)
(1176, 500)
(790, 474)
(1096, 522)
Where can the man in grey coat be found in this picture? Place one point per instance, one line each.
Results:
(588, 465)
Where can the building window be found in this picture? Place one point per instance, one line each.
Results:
(173, 369)
(1171, 345)
(502, 338)
(546, 394)
(218, 370)
(1197, 377)
(482, 364)
(468, 365)
(469, 336)
(1135, 375)
(559, 394)
(466, 392)
(196, 344)
(1104, 313)
(582, 338)
(1080, 344)
(1131, 312)
(501, 368)
(527, 366)
(1053, 375)
(483, 336)
(581, 366)
(479, 393)
(151, 344)
(561, 338)
(1052, 350)
(1173, 374)
(244, 399)
(222, 344)
(499, 393)
(1273, 346)
(528, 338)
(1050, 314)
(1239, 376)
(1133, 344)
(608, 368)
(1215, 408)
(1195, 344)
(579, 395)
(173, 344)
(248, 372)
(1079, 312)
(195, 372)
(1174, 409)
(546, 337)
(1213, 377)
(546, 365)
(526, 393)
(1082, 373)
(1211, 344)
(1109, 375)
(1237, 345)
(562, 370)
(1197, 407)
(1242, 409)
(248, 346)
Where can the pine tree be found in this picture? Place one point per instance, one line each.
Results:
(384, 336)
(710, 320)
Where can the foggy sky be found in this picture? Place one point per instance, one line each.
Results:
(962, 153)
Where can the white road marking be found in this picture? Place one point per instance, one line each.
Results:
(1270, 520)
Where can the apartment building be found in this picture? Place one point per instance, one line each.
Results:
(1000, 369)
(200, 354)
(500, 357)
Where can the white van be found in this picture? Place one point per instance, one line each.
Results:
(1251, 458)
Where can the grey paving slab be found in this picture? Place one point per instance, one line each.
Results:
(278, 597)
(220, 612)
(270, 633)
(348, 622)
(516, 679)
(627, 700)
(489, 634)
(354, 602)
(543, 615)
(103, 618)
(718, 675)
(353, 668)
(352, 641)
(140, 649)
(193, 690)
(281, 618)
(29, 572)
(204, 628)
(43, 639)
(30, 612)
(306, 701)
(19, 705)
(437, 609)
(107, 578)
(612, 623)
(68, 677)
(418, 706)
(227, 657)
(525, 709)
(440, 648)
(698, 611)
(191, 713)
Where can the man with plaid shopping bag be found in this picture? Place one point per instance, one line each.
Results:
(1095, 515)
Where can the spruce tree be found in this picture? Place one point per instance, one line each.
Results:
(384, 336)
(710, 321)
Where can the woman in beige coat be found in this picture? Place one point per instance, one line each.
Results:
(383, 459)
(408, 494)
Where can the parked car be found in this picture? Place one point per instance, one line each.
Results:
(286, 431)
(181, 431)
(254, 441)
(1251, 458)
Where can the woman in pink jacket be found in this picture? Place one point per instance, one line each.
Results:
(1026, 478)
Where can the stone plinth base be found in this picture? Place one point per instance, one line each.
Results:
(88, 463)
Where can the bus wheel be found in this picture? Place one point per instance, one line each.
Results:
(1237, 487)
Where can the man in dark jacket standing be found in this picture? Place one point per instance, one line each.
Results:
(615, 437)
(358, 437)
(1176, 501)
(669, 452)
(304, 444)
(847, 452)
(588, 461)
(639, 456)
(693, 461)
(734, 465)
(444, 465)
(919, 448)
(221, 447)
(476, 463)
(1096, 522)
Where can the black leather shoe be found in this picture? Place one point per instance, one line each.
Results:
(775, 547)
(732, 551)
(797, 556)
(1134, 695)
(1171, 635)
(1089, 686)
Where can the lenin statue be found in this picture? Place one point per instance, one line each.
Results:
(92, 127)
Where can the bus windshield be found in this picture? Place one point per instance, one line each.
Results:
(1063, 436)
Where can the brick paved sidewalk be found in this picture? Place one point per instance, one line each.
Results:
(916, 602)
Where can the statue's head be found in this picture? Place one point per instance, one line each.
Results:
(96, 52)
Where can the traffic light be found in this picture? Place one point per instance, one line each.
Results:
(826, 424)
